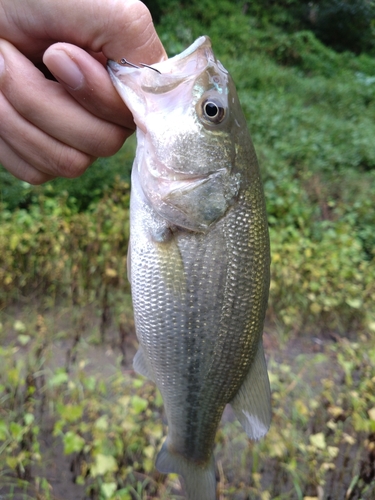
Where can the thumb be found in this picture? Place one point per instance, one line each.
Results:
(87, 80)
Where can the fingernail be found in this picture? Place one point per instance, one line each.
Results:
(65, 69)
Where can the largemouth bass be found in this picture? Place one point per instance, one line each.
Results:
(199, 256)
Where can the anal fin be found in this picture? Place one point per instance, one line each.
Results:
(252, 403)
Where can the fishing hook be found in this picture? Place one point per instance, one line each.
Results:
(125, 61)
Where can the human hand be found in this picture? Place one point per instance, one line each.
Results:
(49, 128)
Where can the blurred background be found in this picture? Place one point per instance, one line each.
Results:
(75, 421)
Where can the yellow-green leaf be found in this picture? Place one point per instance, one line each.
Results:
(318, 440)
(108, 489)
(103, 464)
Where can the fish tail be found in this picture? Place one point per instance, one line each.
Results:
(199, 481)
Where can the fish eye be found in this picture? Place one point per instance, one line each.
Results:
(213, 111)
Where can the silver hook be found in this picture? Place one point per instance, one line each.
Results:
(150, 67)
(125, 61)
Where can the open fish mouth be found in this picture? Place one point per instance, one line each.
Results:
(179, 66)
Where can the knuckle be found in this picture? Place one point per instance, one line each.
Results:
(139, 10)
(140, 22)
(112, 141)
(71, 163)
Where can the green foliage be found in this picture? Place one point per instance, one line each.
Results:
(79, 193)
(311, 114)
(345, 24)
(52, 250)
(308, 280)
(321, 273)
(158, 8)
(340, 24)
(112, 429)
(13, 192)
(19, 429)
(110, 425)
(312, 124)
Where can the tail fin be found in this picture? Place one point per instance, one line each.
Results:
(199, 481)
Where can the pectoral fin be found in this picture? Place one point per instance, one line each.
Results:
(171, 266)
(252, 403)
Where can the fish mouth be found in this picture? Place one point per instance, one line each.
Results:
(169, 73)
(151, 88)
(181, 65)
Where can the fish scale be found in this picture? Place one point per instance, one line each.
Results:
(199, 257)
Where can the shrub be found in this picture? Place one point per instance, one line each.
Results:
(80, 192)
(345, 24)
(52, 250)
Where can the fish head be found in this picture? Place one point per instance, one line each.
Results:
(190, 133)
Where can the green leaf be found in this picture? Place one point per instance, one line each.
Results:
(108, 489)
(69, 412)
(72, 443)
(60, 377)
(102, 423)
(139, 404)
(318, 440)
(16, 430)
(103, 464)
(123, 494)
(12, 462)
(354, 303)
(23, 339)
(28, 418)
(149, 451)
(19, 326)
(90, 383)
(138, 383)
